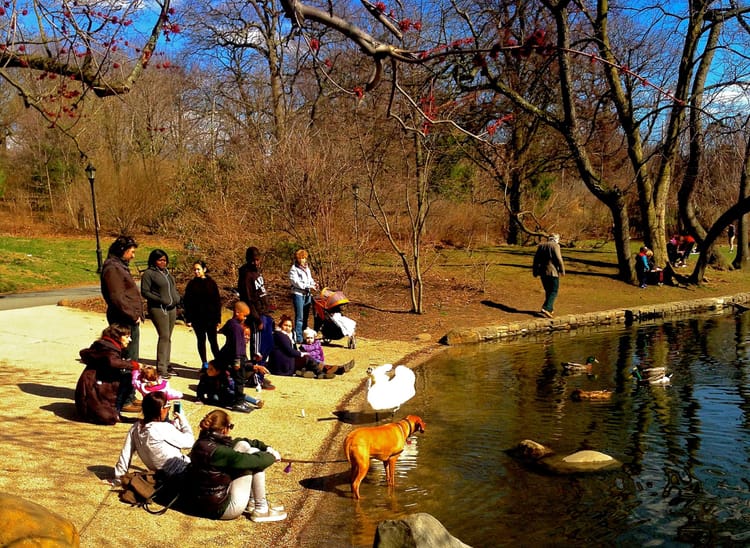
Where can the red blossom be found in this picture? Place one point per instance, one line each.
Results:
(21, 48)
(116, 65)
(328, 63)
(2, 11)
(314, 44)
(417, 25)
(404, 24)
(24, 12)
(359, 92)
(172, 11)
(380, 6)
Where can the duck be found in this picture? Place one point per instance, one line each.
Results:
(573, 367)
(389, 392)
(652, 375)
(580, 395)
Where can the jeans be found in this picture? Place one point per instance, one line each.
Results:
(242, 487)
(163, 321)
(302, 304)
(551, 285)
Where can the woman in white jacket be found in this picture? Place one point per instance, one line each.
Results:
(157, 441)
(302, 285)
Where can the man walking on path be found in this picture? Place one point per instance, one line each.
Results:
(548, 264)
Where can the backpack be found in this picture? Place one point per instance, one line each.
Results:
(150, 490)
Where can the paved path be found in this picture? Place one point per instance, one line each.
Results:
(42, 298)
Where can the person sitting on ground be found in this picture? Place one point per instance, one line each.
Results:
(106, 382)
(157, 440)
(147, 380)
(654, 275)
(216, 387)
(314, 350)
(233, 356)
(227, 476)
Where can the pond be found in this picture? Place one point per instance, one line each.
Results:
(685, 446)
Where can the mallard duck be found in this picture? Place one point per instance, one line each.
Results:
(652, 375)
(580, 395)
(573, 367)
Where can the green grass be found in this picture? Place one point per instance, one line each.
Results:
(29, 264)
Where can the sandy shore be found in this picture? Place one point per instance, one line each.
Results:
(49, 457)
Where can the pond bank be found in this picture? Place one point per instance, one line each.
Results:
(569, 322)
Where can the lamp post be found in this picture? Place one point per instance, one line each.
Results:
(91, 174)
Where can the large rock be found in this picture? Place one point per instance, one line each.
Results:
(414, 531)
(24, 523)
(575, 463)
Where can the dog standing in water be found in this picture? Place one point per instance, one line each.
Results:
(384, 443)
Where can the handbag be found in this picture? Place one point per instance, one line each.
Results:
(142, 488)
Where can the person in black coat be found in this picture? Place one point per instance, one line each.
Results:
(202, 303)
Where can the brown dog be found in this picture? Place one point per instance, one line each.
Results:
(384, 443)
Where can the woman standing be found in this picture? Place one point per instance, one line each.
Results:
(160, 291)
(226, 474)
(302, 285)
(202, 304)
(157, 441)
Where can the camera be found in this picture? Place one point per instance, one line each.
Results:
(177, 407)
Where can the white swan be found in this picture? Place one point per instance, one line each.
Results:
(386, 392)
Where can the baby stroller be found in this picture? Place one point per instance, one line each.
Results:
(329, 319)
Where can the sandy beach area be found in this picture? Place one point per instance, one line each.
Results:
(49, 457)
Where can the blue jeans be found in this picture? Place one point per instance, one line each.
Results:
(551, 285)
(302, 305)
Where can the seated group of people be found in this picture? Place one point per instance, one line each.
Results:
(221, 478)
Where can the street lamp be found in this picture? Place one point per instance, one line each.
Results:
(91, 174)
(355, 189)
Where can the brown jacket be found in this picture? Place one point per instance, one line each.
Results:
(121, 293)
(548, 260)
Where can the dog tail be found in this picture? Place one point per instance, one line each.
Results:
(347, 448)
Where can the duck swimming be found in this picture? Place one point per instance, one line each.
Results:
(573, 367)
(652, 375)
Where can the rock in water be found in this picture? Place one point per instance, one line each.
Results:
(417, 530)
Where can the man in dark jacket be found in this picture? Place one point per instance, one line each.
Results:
(252, 290)
(121, 293)
(548, 264)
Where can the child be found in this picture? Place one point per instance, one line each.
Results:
(147, 380)
(314, 353)
(216, 387)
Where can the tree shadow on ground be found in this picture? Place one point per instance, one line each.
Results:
(48, 391)
(509, 309)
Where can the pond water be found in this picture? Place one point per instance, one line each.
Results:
(685, 447)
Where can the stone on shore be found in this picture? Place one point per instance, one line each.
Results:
(417, 530)
(25, 523)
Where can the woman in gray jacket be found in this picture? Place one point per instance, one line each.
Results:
(160, 291)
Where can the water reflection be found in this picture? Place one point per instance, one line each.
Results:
(686, 478)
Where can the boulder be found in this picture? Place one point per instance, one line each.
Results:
(579, 462)
(414, 531)
(25, 523)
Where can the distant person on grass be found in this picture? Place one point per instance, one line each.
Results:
(549, 266)
(121, 293)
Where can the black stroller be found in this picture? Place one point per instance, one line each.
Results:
(329, 319)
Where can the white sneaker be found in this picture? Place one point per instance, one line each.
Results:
(271, 515)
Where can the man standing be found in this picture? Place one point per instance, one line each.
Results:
(548, 264)
(121, 293)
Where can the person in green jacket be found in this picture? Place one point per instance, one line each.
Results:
(226, 476)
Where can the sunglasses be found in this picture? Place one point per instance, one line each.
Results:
(231, 426)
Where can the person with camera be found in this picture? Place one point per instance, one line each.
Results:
(157, 440)
(302, 286)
